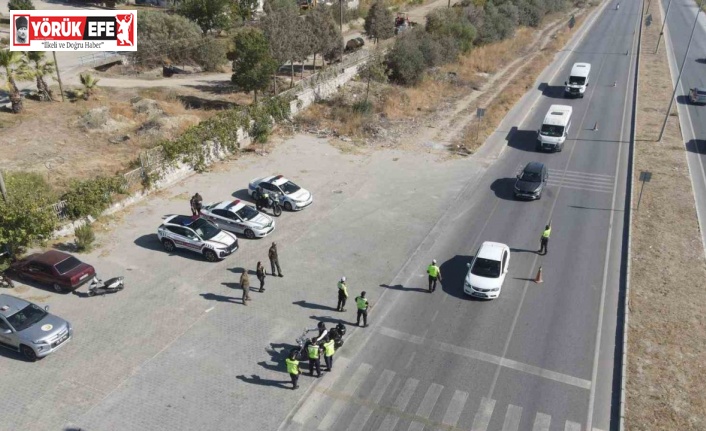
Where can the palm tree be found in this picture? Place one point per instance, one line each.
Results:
(35, 65)
(90, 84)
(10, 62)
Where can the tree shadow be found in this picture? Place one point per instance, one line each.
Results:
(551, 91)
(195, 102)
(257, 380)
(313, 306)
(220, 298)
(523, 140)
(406, 289)
(454, 273)
(243, 195)
(218, 87)
(697, 146)
(503, 188)
(68, 247)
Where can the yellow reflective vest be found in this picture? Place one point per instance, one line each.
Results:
(546, 233)
(433, 270)
(329, 348)
(292, 366)
(313, 351)
(342, 289)
(362, 303)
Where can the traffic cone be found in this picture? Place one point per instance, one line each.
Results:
(538, 278)
(595, 126)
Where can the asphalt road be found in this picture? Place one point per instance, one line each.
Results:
(541, 356)
(680, 21)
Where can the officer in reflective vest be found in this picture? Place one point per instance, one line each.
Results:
(434, 274)
(293, 368)
(544, 240)
(329, 350)
(362, 303)
(314, 358)
(342, 294)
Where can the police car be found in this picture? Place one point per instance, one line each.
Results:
(292, 197)
(198, 235)
(238, 217)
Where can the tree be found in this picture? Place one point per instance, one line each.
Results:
(10, 62)
(406, 59)
(253, 64)
(379, 23)
(167, 38)
(281, 26)
(90, 85)
(244, 9)
(304, 44)
(36, 66)
(374, 70)
(20, 5)
(27, 216)
(208, 14)
(326, 35)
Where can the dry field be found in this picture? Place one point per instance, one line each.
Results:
(667, 332)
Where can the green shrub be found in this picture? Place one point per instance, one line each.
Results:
(20, 5)
(363, 107)
(167, 38)
(406, 60)
(530, 13)
(454, 26)
(212, 54)
(84, 237)
(91, 197)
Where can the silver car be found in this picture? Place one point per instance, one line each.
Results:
(238, 217)
(29, 329)
(697, 95)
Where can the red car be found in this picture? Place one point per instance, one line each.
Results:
(57, 269)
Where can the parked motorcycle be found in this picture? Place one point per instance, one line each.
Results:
(99, 287)
(336, 333)
(269, 202)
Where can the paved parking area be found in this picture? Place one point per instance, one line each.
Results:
(176, 350)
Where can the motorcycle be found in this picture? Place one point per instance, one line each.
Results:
(99, 287)
(336, 333)
(268, 202)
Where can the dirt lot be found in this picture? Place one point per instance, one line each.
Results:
(667, 334)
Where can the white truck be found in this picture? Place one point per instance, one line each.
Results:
(552, 135)
(578, 80)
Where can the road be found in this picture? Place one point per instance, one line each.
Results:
(541, 356)
(692, 119)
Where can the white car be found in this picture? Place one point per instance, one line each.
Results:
(198, 235)
(292, 197)
(238, 217)
(486, 273)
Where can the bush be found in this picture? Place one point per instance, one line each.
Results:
(91, 197)
(363, 107)
(168, 38)
(20, 5)
(453, 26)
(406, 60)
(530, 13)
(84, 237)
(497, 25)
(212, 54)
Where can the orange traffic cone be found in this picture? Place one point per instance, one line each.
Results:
(538, 278)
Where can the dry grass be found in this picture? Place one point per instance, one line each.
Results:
(409, 102)
(667, 333)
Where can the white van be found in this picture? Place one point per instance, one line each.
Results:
(578, 80)
(554, 129)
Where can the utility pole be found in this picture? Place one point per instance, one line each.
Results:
(58, 76)
(341, 15)
(2, 188)
(681, 69)
(661, 31)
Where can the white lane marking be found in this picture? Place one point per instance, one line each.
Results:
(587, 189)
(411, 359)
(486, 357)
(436, 313)
(485, 411)
(576, 180)
(512, 418)
(210, 309)
(455, 408)
(316, 399)
(335, 411)
(364, 413)
(572, 426)
(541, 422)
(427, 405)
(577, 173)
(400, 404)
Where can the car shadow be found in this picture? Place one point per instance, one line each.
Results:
(701, 60)
(683, 99)
(521, 250)
(257, 380)
(243, 195)
(11, 354)
(503, 188)
(406, 289)
(37, 285)
(220, 298)
(697, 146)
(150, 242)
(551, 91)
(523, 140)
(453, 272)
(313, 306)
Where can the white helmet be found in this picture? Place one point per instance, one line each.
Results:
(433, 261)
(343, 278)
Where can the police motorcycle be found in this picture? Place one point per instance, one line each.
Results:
(265, 200)
(336, 334)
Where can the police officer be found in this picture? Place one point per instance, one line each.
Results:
(544, 240)
(329, 350)
(274, 259)
(196, 202)
(434, 273)
(314, 358)
(342, 294)
(293, 368)
(362, 303)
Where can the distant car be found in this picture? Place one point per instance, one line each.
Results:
(54, 268)
(29, 329)
(292, 197)
(531, 181)
(239, 217)
(486, 273)
(697, 96)
(198, 235)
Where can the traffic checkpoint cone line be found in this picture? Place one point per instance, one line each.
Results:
(538, 278)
